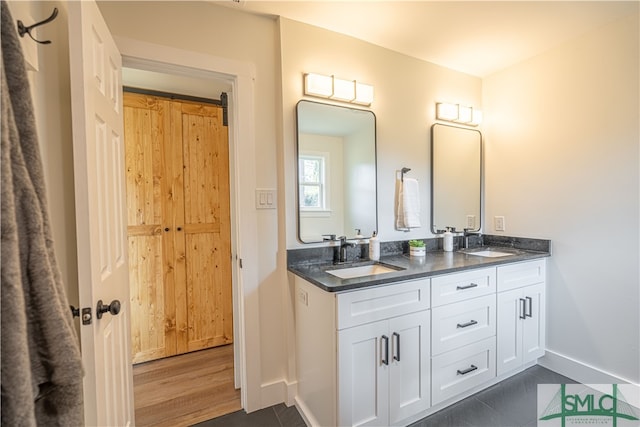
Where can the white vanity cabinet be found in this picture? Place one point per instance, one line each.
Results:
(521, 314)
(375, 369)
(391, 354)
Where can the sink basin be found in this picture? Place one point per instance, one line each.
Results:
(489, 253)
(361, 271)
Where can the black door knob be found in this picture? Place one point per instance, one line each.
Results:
(113, 308)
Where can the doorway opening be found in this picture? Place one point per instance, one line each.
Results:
(216, 363)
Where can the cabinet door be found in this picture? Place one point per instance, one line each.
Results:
(509, 330)
(533, 333)
(363, 377)
(409, 369)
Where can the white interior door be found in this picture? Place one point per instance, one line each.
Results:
(96, 94)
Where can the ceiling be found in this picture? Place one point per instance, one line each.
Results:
(475, 37)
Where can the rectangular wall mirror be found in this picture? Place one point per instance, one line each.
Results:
(456, 178)
(336, 161)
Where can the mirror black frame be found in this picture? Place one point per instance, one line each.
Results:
(297, 167)
(480, 180)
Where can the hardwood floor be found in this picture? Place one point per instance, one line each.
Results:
(187, 389)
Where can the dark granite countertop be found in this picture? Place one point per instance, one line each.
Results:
(434, 263)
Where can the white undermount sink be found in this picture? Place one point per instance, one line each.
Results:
(490, 253)
(361, 271)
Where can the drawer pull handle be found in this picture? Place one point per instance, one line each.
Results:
(469, 286)
(523, 309)
(385, 339)
(466, 371)
(396, 356)
(466, 325)
(530, 313)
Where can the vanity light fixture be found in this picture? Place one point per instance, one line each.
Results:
(339, 89)
(458, 113)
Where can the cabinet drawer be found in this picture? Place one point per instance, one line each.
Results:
(521, 274)
(460, 286)
(463, 369)
(462, 323)
(368, 305)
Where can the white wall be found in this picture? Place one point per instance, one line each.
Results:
(53, 122)
(562, 139)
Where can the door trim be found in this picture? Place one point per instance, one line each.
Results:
(241, 76)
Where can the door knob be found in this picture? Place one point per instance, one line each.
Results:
(113, 308)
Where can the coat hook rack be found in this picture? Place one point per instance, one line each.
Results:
(22, 29)
(402, 172)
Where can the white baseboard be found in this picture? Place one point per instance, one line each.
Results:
(305, 413)
(579, 371)
(279, 391)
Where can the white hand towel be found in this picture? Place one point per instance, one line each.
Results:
(408, 204)
(411, 203)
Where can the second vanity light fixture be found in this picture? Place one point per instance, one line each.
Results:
(458, 113)
(341, 90)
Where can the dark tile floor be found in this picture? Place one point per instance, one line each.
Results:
(510, 403)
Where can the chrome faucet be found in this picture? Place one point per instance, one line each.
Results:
(468, 232)
(339, 251)
(343, 248)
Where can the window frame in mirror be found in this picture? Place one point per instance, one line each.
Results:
(347, 233)
(434, 179)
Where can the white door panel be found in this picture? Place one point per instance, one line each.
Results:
(96, 88)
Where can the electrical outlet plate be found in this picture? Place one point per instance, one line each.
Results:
(498, 223)
(471, 222)
(303, 297)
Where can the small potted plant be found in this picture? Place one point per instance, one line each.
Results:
(417, 248)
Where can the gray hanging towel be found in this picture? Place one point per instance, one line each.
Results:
(41, 363)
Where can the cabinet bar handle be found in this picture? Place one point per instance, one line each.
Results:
(466, 371)
(385, 350)
(523, 312)
(530, 313)
(469, 286)
(396, 354)
(469, 323)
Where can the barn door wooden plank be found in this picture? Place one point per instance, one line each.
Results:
(207, 226)
(151, 285)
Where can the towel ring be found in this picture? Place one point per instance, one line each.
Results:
(402, 172)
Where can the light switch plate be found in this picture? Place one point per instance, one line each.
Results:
(498, 223)
(266, 198)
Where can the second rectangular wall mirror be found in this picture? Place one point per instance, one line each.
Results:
(456, 178)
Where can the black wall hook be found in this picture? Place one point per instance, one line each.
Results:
(22, 29)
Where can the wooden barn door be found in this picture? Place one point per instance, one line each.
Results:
(177, 165)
